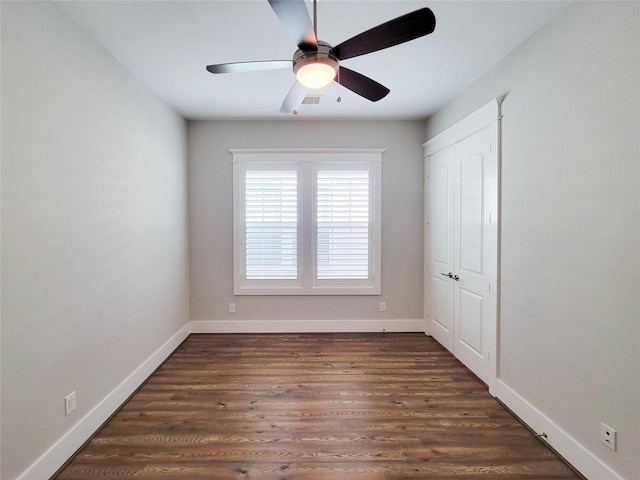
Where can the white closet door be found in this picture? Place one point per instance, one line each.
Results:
(441, 228)
(462, 240)
(474, 254)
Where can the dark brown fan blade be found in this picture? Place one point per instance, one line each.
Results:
(394, 32)
(363, 86)
(294, 98)
(295, 18)
(238, 67)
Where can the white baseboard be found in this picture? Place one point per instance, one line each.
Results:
(306, 326)
(573, 451)
(70, 442)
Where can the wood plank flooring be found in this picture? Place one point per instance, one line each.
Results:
(314, 406)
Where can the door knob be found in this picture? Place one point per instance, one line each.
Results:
(452, 276)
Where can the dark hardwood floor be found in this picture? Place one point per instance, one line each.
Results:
(314, 406)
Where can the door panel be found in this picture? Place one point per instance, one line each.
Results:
(471, 188)
(441, 212)
(441, 230)
(473, 320)
(441, 310)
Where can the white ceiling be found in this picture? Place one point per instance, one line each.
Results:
(167, 45)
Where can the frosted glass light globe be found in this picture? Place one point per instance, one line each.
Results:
(316, 75)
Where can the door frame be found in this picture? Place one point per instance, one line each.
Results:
(484, 117)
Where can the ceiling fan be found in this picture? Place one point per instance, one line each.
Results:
(317, 63)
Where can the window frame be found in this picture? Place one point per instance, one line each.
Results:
(307, 164)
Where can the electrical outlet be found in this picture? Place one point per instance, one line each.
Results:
(232, 308)
(70, 403)
(383, 306)
(608, 436)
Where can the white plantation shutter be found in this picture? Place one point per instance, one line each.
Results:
(306, 222)
(271, 224)
(342, 216)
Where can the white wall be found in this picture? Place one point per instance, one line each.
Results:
(210, 190)
(570, 274)
(94, 227)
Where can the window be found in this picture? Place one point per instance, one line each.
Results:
(307, 222)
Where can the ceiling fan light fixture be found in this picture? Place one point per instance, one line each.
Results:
(316, 75)
(315, 69)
